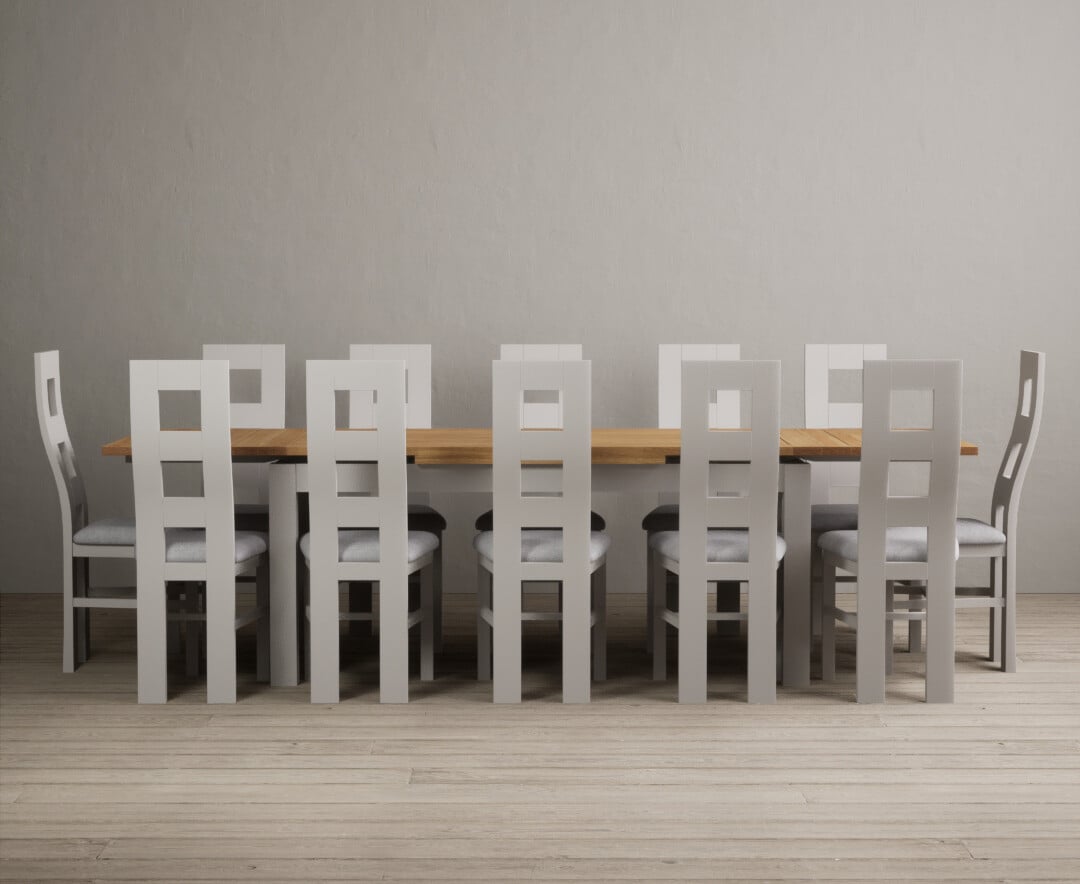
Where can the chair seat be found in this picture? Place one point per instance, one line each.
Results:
(901, 544)
(486, 522)
(973, 532)
(107, 532)
(662, 518)
(722, 545)
(362, 545)
(826, 517)
(189, 545)
(543, 545)
(425, 518)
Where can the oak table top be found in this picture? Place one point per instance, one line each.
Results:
(454, 445)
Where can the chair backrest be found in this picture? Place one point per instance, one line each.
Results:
(834, 482)
(1005, 505)
(712, 492)
(724, 411)
(251, 481)
(268, 412)
(539, 410)
(417, 383)
(885, 444)
(356, 476)
(541, 477)
(209, 445)
(58, 448)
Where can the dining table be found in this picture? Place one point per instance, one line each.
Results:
(625, 460)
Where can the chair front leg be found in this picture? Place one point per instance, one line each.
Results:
(828, 622)
(192, 630)
(483, 628)
(428, 623)
(262, 625)
(599, 631)
(659, 625)
(890, 602)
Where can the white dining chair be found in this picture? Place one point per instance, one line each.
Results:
(357, 497)
(996, 538)
(900, 536)
(82, 539)
(541, 532)
(728, 486)
(422, 516)
(724, 412)
(191, 538)
(251, 481)
(834, 487)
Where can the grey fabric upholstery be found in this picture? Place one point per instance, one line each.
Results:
(973, 532)
(901, 544)
(189, 545)
(723, 545)
(425, 518)
(362, 545)
(543, 545)
(662, 518)
(485, 522)
(107, 532)
(834, 517)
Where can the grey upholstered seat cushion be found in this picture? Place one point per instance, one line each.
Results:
(425, 518)
(723, 545)
(107, 532)
(543, 545)
(486, 521)
(834, 517)
(662, 518)
(362, 545)
(189, 545)
(973, 532)
(901, 544)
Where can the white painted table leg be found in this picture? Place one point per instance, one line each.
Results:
(796, 641)
(284, 535)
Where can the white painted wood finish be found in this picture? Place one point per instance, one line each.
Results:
(74, 514)
(834, 482)
(528, 496)
(251, 481)
(724, 412)
(879, 508)
(211, 447)
(1000, 595)
(706, 500)
(417, 359)
(357, 479)
(539, 414)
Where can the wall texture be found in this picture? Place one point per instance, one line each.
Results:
(467, 173)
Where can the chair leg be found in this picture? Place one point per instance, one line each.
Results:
(192, 630)
(306, 627)
(82, 615)
(427, 623)
(1008, 612)
(262, 625)
(996, 619)
(890, 600)
(437, 576)
(915, 629)
(659, 625)
(483, 629)
(649, 591)
(221, 636)
(828, 623)
(599, 632)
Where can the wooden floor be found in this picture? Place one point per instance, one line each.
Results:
(450, 787)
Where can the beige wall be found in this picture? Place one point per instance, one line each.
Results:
(464, 173)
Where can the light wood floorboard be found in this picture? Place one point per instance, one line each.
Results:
(632, 787)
